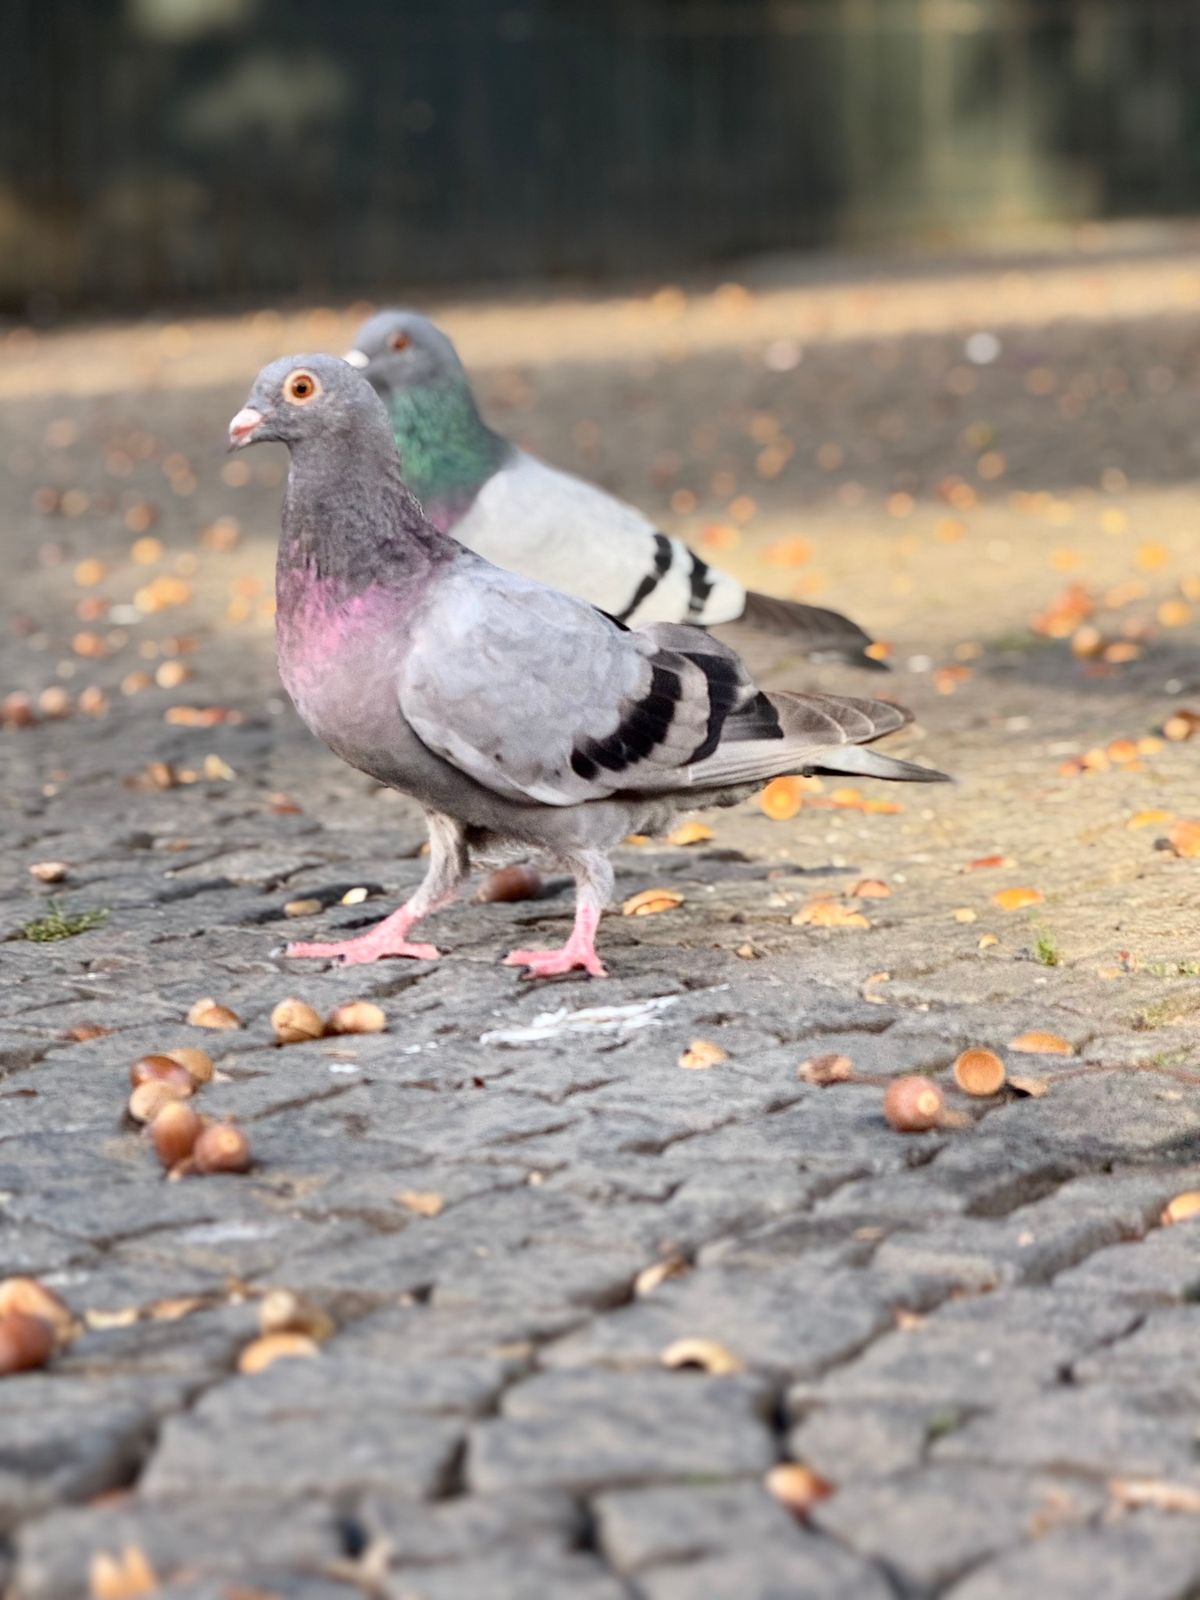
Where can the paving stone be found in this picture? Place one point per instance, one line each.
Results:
(1147, 1556)
(194, 1536)
(586, 1430)
(794, 1320)
(1165, 1265)
(960, 1515)
(459, 1529)
(873, 1439)
(1156, 1360)
(815, 1570)
(1093, 1430)
(651, 1527)
(526, 1574)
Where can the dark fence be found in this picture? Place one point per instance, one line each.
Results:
(156, 150)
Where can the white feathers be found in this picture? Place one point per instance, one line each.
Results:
(555, 528)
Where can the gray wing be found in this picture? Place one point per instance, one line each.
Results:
(541, 698)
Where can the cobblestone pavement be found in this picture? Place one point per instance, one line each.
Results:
(981, 1337)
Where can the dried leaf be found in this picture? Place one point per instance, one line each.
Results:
(870, 889)
(690, 833)
(649, 902)
(984, 863)
(1184, 839)
(1034, 1043)
(424, 1202)
(829, 914)
(1017, 899)
(1152, 818)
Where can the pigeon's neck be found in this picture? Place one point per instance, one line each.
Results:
(447, 451)
(349, 517)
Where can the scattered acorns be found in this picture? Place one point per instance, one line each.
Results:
(295, 1021)
(34, 1323)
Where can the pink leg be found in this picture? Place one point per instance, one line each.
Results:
(447, 867)
(387, 938)
(579, 950)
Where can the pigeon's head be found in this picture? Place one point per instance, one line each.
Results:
(403, 350)
(302, 398)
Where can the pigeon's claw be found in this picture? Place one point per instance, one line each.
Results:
(576, 952)
(386, 938)
(358, 952)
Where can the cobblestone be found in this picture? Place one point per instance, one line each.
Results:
(976, 1336)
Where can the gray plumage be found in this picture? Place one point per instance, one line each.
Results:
(514, 714)
(551, 525)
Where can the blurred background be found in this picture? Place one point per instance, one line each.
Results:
(175, 151)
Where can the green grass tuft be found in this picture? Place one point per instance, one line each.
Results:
(1046, 949)
(60, 924)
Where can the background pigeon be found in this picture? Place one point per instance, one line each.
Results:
(514, 714)
(550, 525)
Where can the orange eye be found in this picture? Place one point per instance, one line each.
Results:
(301, 387)
(400, 341)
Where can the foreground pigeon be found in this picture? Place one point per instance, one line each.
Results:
(515, 715)
(550, 525)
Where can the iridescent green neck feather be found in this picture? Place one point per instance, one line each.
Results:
(446, 449)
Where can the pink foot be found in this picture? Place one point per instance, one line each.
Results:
(549, 963)
(386, 939)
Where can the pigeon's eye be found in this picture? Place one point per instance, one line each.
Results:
(300, 388)
(399, 341)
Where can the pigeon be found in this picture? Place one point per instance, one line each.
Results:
(553, 526)
(518, 717)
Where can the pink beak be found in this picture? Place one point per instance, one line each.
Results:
(243, 425)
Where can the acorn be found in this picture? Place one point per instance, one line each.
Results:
(284, 1311)
(295, 1021)
(798, 1487)
(33, 1299)
(356, 1016)
(706, 1354)
(913, 1104)
(207, 1013)
(197, 1063)
(518, 882)
(26, 1343)
(161, 1069)
(221, 1148)
(264, 1351)
(148, 1099)
(979, 1072)
(174, 1131)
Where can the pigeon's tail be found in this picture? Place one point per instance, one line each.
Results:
(823, 635)
(811, 733)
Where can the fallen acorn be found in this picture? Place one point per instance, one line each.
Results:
(422, 1202)
(264, 1351)
(704, 1353)
(302, 908)
(148, 1099)
(198, 1064)
(649, 902)
(284, 1311)
(295, 1021)
(796, 1486)
(124, 1577)
(979, 1072)
(517, 882)
(33, 1299)
(161, 1069)
(690, 833)
(1017, 899)
(175, 1131)
(913, 1104)
(703, 1053)
(828, 914)
(826, 1069)
(26, 1343)
(221, 1148)
(207, 1013)
(356, 1016)
(1182, 1208)
(657, 1273)
(49, 871)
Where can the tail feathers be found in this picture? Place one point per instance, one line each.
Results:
(820, 733)
(823, 635)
